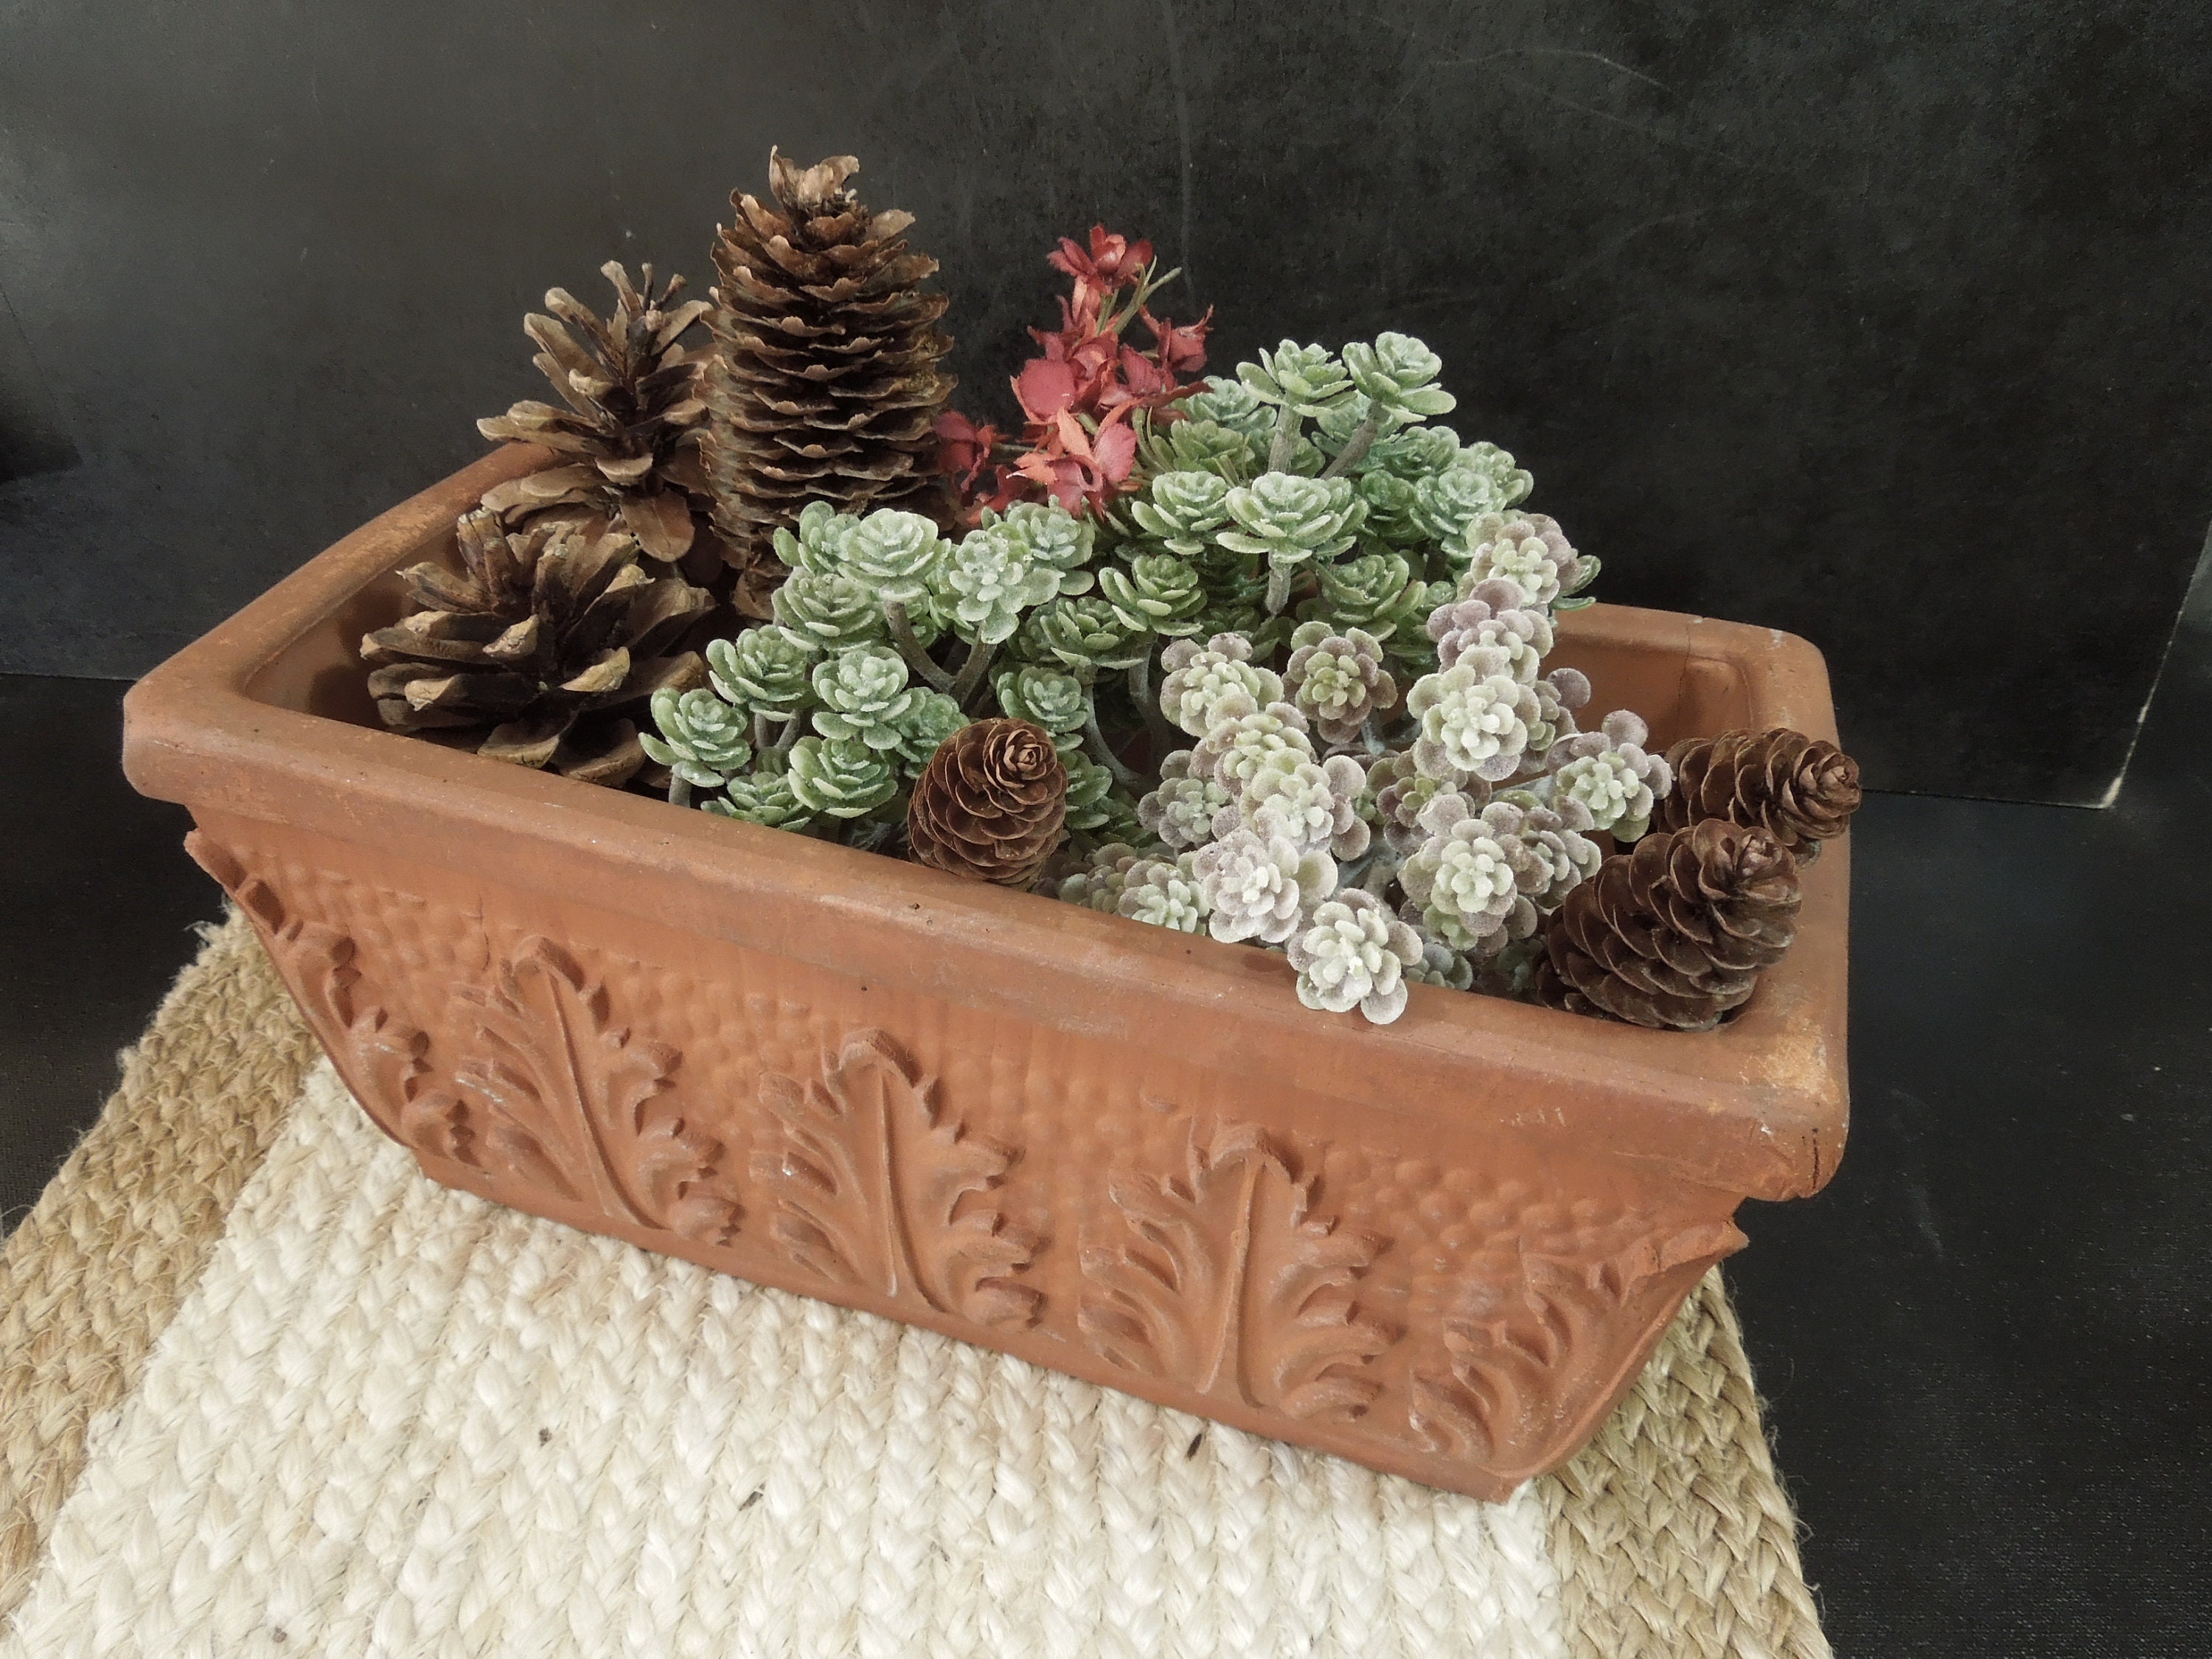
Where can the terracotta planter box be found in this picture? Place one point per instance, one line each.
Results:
(1442, 1248)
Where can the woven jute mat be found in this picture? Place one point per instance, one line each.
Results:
(266, 1389)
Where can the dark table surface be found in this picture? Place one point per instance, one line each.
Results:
(1987, 1346)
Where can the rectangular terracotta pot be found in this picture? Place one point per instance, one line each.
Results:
(1442, 1248)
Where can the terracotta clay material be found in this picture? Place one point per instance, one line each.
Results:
(1442, 1248)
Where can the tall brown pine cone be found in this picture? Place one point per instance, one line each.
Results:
(1799, 790)
(1674, 933)
(991, 803)
(534, 651)
(825, 383)
(630, 421)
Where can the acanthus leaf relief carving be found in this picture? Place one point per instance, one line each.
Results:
(1227, 1283)
(382, 1060)
(874, 1187)
(1501, 1400)
(576, 1104)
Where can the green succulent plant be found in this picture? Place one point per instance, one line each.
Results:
(863, 694)
(1512, 482)
(1156, 592)
(1446, 502)
(1008, 565)
(1397, 375)
(1414, 452)
(1050, 537)
(1375, 591)
(1290, 521)
(1304, 379)
(841, 778)
(1230, 404)
(930, 719)
(893, 555)
(1088, 786)
(764, 797)
(766, 670)
(1202, 445)
(1184, 510)
(702, 739)
(1045, 697)
(817, 546)
(1085, 634)
(830, 612)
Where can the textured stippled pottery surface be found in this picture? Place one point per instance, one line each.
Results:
(1441, 1247)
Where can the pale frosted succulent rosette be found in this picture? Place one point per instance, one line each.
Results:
(1530, 551)
(1204, 680)
(1353, 953)
(1256, 886)
(1469, 884)
(1166, 893)
(1608, 774)
(1474, 718)
(1099, 883)
(1313, 803)
(1180, 810)
(1338, 679)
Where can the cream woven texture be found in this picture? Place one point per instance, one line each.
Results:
(92, 1275)
(389, 1419)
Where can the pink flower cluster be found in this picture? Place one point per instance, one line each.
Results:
(1080, 398)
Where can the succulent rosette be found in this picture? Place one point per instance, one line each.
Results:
(1338, 680)
(863, 695)
(1353, 953)
(1204, 680)
(702, 740)
(1472, 722)
(1255, 885)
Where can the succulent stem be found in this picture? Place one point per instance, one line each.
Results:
(1286, 441)
(1355, 449)
(1165, 738)
(1279, 587)
(760, 731)
(791, 728)
(971, 672)
(1094, 743)
(679, 789)
(910, 648)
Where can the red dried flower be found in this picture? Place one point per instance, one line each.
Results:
(1113, 262)
(964, 449)
(1079, 397)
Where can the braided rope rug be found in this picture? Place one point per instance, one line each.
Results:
(266, 1389)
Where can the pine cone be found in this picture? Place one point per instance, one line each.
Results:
(825, 383)
(1798, 789)
(629, 415)
(1674, 933)
(533, 650)
(990, 804)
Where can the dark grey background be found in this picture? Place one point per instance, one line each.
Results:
(1878, 323)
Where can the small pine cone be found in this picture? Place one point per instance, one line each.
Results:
(991, 803)
(1799, 790)
(1675, 933)
(825, 383)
